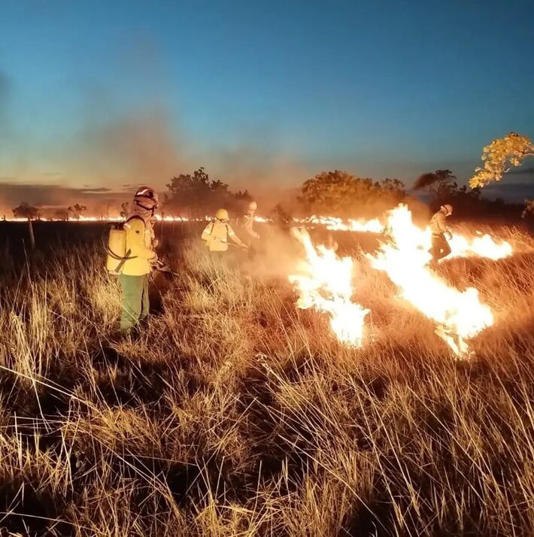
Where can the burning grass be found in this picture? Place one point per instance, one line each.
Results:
(235, 413)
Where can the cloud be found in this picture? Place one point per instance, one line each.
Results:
(12, 192)
(516, 191)
(523, 171)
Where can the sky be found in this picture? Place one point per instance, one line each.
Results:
(98, 96)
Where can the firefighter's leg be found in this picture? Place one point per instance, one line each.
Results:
(132, 297)
(446, 247)
(440, 247)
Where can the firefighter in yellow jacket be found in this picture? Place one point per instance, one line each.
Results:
(440, 233)
(141, 256)
(218, 233)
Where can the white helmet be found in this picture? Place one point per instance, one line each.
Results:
(252, 206)
(146, 197)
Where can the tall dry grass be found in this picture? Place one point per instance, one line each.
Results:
(234, 414)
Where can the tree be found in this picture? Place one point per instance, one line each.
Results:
(500, 156)
(441, 184)
(197, 195)
(76, 210)
(339, 193)
(25, 210)
(443, 188)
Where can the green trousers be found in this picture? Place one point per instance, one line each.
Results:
(135, 300)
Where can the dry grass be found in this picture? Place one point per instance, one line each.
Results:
(234, 414)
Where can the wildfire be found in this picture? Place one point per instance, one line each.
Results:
(459, 314)
(324, 282)
(461, 245)
(484, 246)
(337, 224)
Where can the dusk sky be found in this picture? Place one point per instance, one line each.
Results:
(105, 94)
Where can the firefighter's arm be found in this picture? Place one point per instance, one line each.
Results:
(232, 235)
(136, 240)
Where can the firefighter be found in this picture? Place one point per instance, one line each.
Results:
(140, 244)
(440, 233)
(250, 235)
(218, 233)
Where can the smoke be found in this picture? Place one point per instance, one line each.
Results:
(138, 148)
(118, 141)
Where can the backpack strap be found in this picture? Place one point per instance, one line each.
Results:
(135, 217)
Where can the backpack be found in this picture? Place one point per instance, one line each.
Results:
(116, 249)
(210, 238)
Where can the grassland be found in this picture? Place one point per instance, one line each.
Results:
(232, 413)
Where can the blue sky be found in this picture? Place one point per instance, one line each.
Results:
(110, 93)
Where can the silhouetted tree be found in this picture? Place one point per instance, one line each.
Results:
(196, 195)
(440, 184)
(25, 210)
(76, 210)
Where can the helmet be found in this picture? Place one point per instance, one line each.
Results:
(252, 206)
(222, 214)
(146, 197)
(448, 208)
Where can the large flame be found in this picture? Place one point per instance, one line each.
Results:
(461, 245)
(482, 246)
(459, 314)
(324, 282)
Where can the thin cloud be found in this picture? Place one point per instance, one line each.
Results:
(13, 192)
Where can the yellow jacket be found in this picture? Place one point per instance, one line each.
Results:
(438, 223)
(139, 237)
(217, 234)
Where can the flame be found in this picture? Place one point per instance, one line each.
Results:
(484, 246)
(461, 245)
(459, 314)
(324, 282)
(337, 224)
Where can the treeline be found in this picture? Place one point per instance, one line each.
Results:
(334, 193)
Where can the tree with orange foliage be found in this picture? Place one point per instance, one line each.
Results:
(500, 156)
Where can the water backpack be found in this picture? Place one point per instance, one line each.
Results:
(116, 250)
(212, 239)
